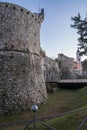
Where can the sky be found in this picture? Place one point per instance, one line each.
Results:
(56, 35)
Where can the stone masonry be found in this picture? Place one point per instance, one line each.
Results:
(66, 65)
(21, 78)
(51, 69)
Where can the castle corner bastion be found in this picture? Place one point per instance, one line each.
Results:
(21, 78)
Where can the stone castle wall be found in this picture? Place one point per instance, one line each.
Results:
(59, 68)
(21, 78)
(66, 65)
(51, 69)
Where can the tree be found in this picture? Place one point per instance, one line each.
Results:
(81, 26)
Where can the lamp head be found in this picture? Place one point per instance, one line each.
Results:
(34, 108)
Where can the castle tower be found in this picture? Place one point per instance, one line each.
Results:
(21, 79)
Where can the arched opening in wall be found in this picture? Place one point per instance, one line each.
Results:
(6, 5)
(32, 15)
(28, 13)
(50, 76)
(14, 7)
(21, 10)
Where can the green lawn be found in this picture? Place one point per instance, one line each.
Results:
(59, 102)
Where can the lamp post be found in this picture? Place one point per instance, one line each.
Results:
(34, 109)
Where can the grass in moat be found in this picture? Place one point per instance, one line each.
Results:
(67, 122)
(59, 102)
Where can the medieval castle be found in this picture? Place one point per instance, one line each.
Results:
(24, 66)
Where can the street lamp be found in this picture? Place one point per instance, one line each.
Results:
(34, 108)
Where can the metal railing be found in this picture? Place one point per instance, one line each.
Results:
(33, 123)
(35, 108)
(82, 123)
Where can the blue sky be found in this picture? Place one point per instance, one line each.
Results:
(56, 34)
